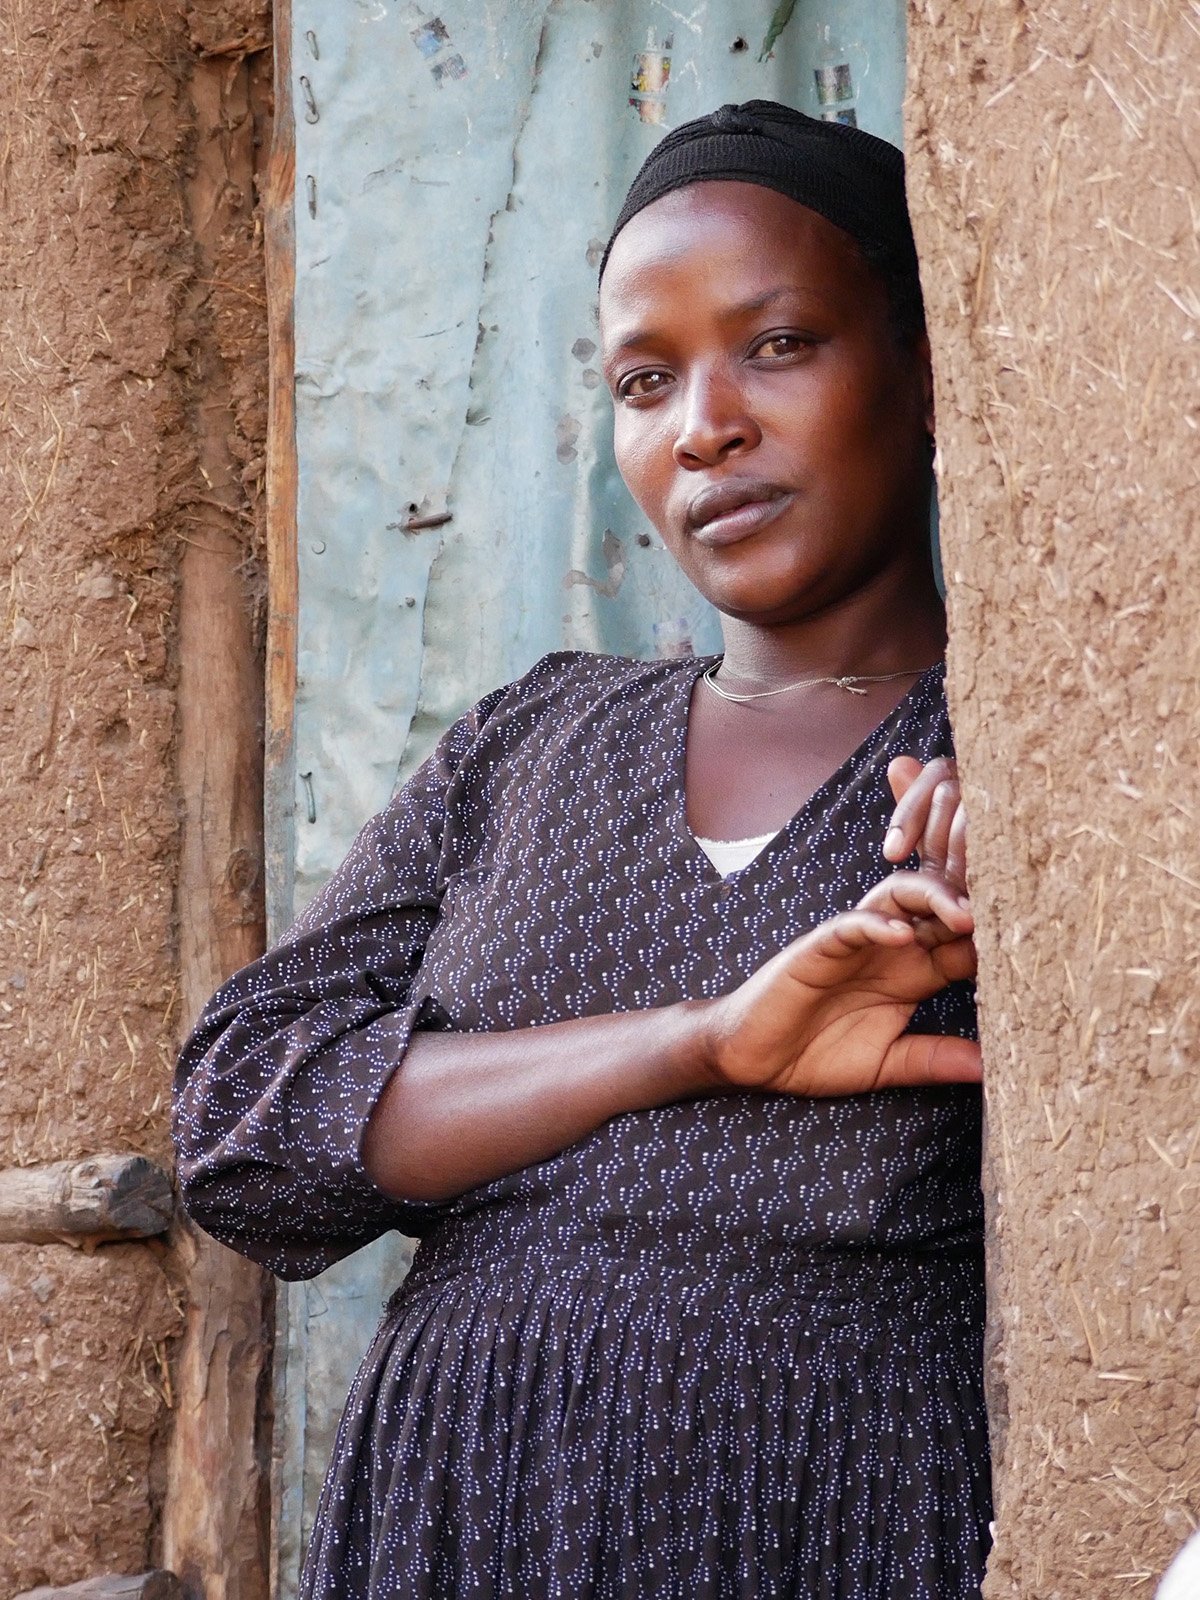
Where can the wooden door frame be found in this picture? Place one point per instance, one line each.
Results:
(218, 1531)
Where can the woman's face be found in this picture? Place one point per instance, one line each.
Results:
(768, 422)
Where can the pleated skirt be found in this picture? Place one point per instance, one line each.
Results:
(664, 1428)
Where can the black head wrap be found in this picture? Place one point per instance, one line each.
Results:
(848, 176)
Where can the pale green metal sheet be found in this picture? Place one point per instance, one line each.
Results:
(457, 170)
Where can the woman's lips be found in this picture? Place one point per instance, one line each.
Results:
(728, 512)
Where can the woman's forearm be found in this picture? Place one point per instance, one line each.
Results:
(827, 1015)
(465, 1108)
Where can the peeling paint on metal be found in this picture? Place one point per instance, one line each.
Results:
(613, 552)
(566, 431)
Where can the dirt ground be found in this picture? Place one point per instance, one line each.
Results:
(110, 326)
(1053, 195)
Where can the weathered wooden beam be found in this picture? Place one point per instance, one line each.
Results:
(146, 1586)
(215, 1527)
(77, 1202)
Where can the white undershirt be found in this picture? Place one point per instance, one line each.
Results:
(731, 855)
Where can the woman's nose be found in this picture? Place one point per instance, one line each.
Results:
(715, 423)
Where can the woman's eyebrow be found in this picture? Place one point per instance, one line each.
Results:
(759, 302)
(631, 341)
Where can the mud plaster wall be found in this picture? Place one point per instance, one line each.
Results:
(1054, 165)
(132, 396)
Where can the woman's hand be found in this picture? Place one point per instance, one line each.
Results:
(928, 818)
(827, 1015)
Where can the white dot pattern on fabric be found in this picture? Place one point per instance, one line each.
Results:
(724, 1349)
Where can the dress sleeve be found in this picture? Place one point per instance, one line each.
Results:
(275, 1085)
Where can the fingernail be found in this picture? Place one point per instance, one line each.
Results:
(965, 902)
(893, 840)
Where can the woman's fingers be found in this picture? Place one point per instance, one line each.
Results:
(893, 915)
(914, 784)
(855, 930)
(902, 772)
(828, 1014)
(956, 853)
(954, 959)
(919, 895)
(927, 815)
(944, 805)
(918, 1060)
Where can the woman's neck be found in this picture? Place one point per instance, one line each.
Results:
(875, 631)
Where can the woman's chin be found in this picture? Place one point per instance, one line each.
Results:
(762, 578)
(762, 600)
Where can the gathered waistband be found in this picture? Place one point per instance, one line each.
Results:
(834, 1284)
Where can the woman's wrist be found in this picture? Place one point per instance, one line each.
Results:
(692, 1058)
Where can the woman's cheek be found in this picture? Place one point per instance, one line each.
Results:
(638, 461)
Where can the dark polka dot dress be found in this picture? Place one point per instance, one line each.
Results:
(724, 1349)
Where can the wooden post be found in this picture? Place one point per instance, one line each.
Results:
(82, 1202)
(216, 1512)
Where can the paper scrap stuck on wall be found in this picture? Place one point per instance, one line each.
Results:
(650, 80)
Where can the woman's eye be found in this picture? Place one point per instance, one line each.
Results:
(641, 385)
(782, 344)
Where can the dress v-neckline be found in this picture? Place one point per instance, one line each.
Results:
(835, 782)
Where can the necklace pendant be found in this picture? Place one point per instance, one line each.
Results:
(850, 684)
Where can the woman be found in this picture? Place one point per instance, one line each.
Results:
(698, 1306)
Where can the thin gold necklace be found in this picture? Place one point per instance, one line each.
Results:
(849, 683)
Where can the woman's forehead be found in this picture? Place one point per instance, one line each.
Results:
(723, 230)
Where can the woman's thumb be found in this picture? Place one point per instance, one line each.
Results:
(918, 1060)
